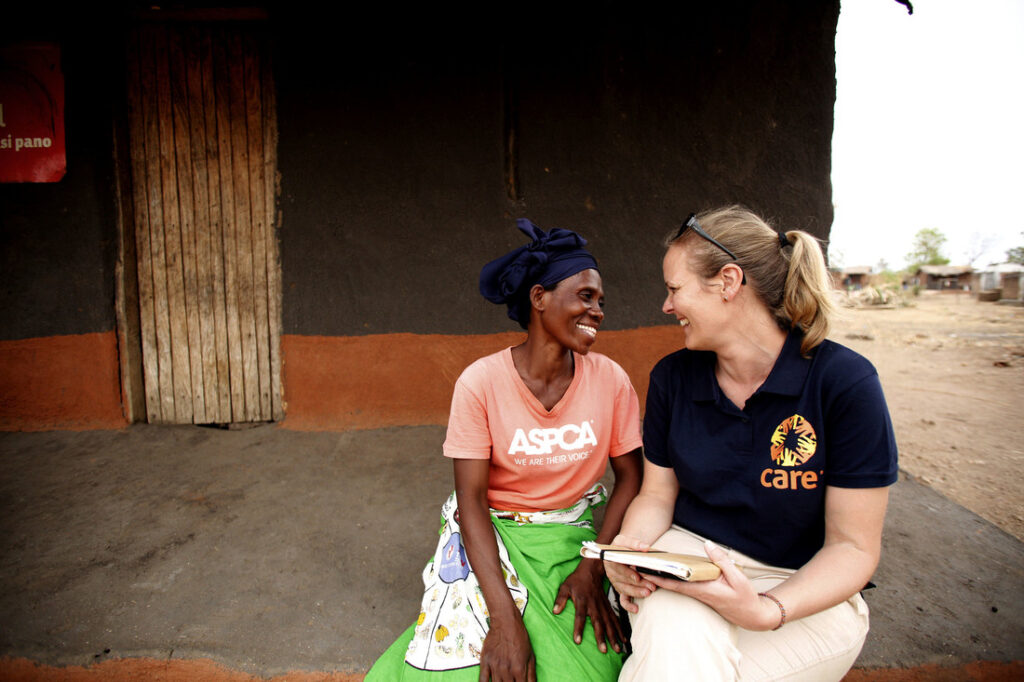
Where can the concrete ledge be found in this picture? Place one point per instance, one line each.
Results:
(135, 669)
(271, 552)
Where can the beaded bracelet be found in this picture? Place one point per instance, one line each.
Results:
(782, 620)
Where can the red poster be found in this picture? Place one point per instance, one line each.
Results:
(31, 114)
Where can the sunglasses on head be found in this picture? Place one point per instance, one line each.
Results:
(692, 224)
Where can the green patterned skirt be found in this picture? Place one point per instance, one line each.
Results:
(537, 551)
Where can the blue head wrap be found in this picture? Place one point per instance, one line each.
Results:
(547, 260)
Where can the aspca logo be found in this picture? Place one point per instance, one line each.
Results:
(543, 441)
(792, 444)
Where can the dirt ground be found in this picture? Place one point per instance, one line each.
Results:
(952, 369)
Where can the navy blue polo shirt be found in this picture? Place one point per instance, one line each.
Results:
(754, 479)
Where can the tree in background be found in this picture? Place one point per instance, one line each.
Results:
(884, 273)
(1016, 254)
(927, 249)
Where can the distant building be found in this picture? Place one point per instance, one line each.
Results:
(941, 277)
(1004, 278)
(851, 278)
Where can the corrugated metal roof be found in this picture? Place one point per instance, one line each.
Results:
(945, 270)
(1003, 267)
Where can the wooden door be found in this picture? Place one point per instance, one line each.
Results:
(203, 139)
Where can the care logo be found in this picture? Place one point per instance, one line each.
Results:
(792, 444)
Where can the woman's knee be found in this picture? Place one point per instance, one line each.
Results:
(817, 648)
(673, 633)
(673, 617)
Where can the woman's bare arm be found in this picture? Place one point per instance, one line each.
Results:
(507, 653)
(585, 585)
(649, 515)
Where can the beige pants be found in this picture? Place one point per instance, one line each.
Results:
(678, 638)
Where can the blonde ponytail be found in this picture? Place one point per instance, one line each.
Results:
(807, 300)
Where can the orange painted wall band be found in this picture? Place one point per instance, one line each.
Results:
(60, 382)
(330, 383)
(366, 382)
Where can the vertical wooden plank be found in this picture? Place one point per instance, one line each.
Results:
(203, 227)
(172, 237)
(270, 211)
(216, 216)
(222, 88)
(151, 116)
(243, 227)
(182, 143)
(140, 200)
(254, 135)
(126, 269)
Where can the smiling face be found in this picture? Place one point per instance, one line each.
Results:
(693, 302)
(573, 311)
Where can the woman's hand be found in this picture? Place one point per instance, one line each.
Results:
(627, 581)
(585, 586)
(507, 655)
(732, 595)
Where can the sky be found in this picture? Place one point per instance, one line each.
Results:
(929, 130)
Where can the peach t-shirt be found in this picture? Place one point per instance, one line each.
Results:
(542, 460)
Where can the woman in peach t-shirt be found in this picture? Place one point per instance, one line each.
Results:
(531, 431)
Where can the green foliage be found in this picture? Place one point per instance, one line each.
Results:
(886, 275)
(1015, 255)
(890, 277)
(927, 249)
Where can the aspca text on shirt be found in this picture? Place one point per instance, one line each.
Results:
(553, 446)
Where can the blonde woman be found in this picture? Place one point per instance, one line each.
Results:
(769, 449)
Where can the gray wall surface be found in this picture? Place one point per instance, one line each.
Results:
(58, 241)
(630, 115)
(393, 127)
